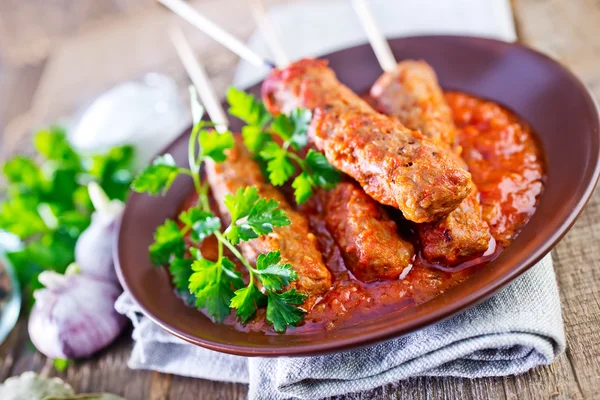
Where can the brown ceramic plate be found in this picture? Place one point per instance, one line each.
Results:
(540, 90)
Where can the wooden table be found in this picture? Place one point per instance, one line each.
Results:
(41, 44)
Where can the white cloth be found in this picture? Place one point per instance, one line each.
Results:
(311, 28)
(517, 329)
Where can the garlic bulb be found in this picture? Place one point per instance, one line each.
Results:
(74, 315)
(94, 248)
(31, 386)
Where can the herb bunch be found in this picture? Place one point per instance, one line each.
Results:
(215, 285)
(282, 161)
(46, 203)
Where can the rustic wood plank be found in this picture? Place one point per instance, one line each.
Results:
(190, 389)
(11, 350)
(569, 31)
(159, 386)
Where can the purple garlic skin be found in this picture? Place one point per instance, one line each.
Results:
(74, 315)
(94, 248)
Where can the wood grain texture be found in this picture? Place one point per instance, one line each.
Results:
(121, 40)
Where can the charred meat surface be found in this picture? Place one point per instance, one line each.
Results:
(367, 237)
(295, 242)
(393, 164)
(461, 236)
(404, 172)
(412, 94)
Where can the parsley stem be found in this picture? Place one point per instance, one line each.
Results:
(299, 160)
(202, 193)
(203, 196)
(192, 149)
(220, 250)
(236, 253)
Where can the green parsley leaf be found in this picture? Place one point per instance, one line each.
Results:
(240, 204)
(265, 215)
(216, 298)
(282, 125)
(234, 277)
(255, 139)
(281, 310)
(279, 166)
(168, 241)
(246, 301)
(247, 108)
(47, 205)
(271, 150)
(112, 171)
(293, 129)
(82, 201)
(213, 285)
(63, 183)
(202, 223)
(181, 270)
(196, 253)
(23, 171)
(302, 185)
(53, 145)
(323, 174)
(273, 274)
(213, 144)
(157, 177)
(53, 250)
(73, 222)
(262, 216)
(25, 266)
(204, 274)
(19, 215)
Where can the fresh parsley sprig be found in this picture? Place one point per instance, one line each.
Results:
(216, 285)
(282, 161)
(45, 200)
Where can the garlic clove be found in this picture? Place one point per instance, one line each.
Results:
(94, 248)
(75, 318)
(52, 280)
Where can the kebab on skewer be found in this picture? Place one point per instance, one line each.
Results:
(394, 165)
(410, 91)
(360, 226)
(296, 244)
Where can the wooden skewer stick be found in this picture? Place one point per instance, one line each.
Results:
(265, 25)
(380, 45)
(191, 15)
(198, 75)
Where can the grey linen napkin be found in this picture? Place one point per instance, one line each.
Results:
(517, 329)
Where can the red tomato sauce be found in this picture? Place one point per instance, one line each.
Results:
(506, 164)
